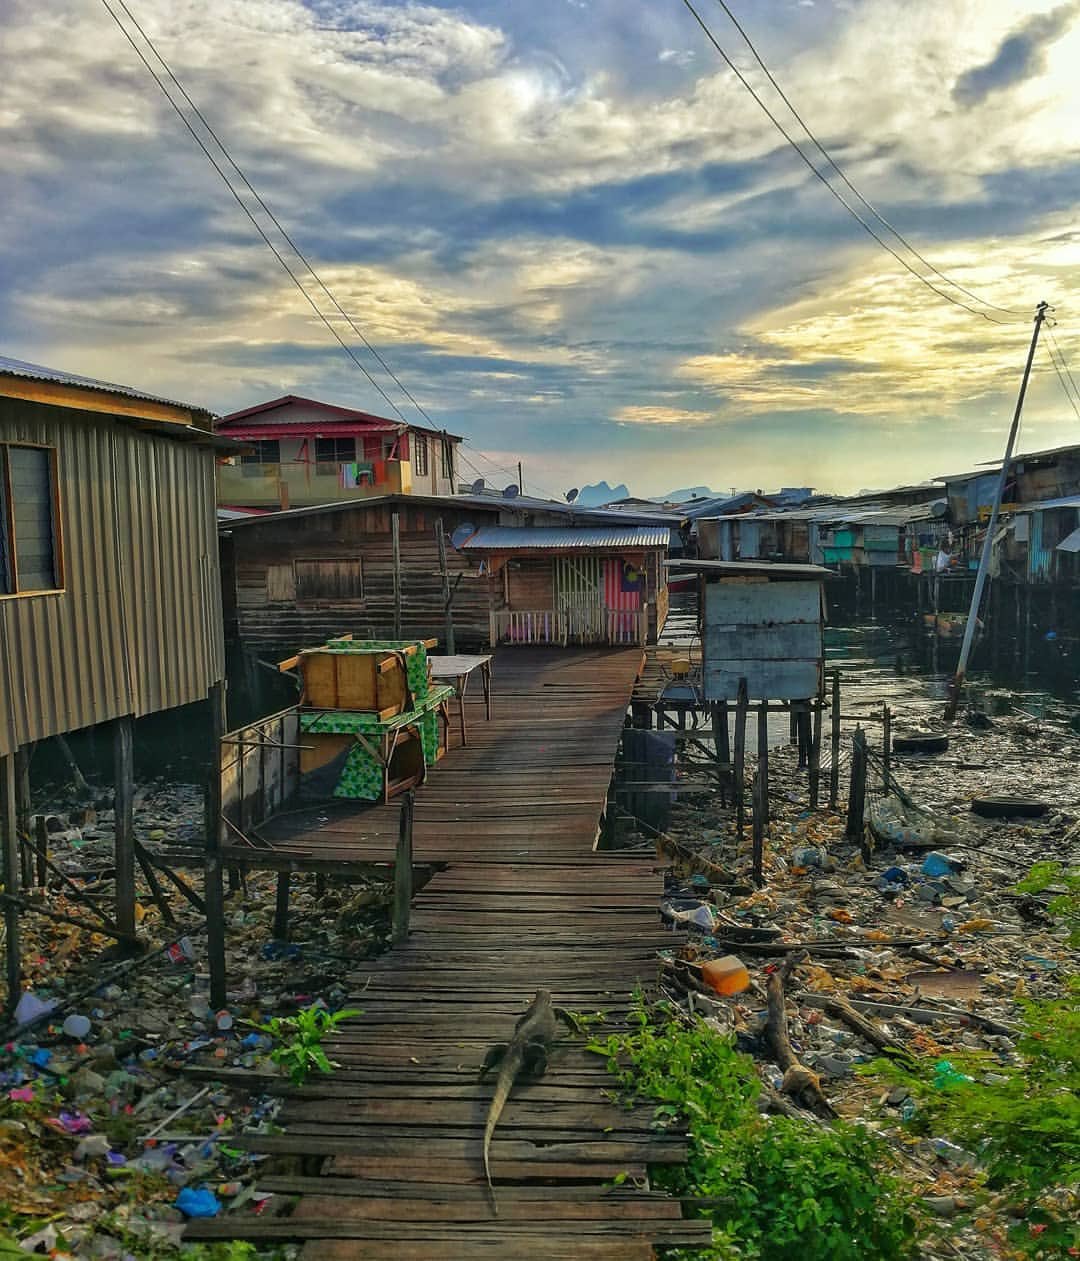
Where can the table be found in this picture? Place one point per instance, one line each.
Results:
(459, 668)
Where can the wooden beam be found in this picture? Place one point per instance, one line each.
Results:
(395, 542)
(79, 398)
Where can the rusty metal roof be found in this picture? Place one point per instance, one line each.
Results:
(500, 538)
(734, 568)
(37, 372)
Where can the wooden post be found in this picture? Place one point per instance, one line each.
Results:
(281, 907)
(741, 706)
(403, 871)
(834, 769)
(856, 818)
(22, 812)
(721, 736)
(448, 614)
(42, 852)
(802, 721)
(763, 754)
(815, 756)
(9, 837)
(759, 807)
(124, 825)
(213, 888)
(395, 541)
(886, 744)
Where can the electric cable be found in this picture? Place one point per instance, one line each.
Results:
(829, 158)
(818, 174)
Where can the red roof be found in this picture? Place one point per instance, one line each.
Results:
(338, 417)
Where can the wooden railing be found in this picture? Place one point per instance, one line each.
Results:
(549, 626)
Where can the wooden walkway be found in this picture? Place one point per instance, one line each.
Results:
(523, 901)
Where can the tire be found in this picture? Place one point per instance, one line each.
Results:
(921, 742)
(1009, 807)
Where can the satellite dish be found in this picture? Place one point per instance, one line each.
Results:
(459, 536)
(512, 491)
(477, 488)
(571, 495)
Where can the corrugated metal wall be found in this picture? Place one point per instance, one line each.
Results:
(138, 627)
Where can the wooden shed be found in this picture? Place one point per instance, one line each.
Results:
(763, 623)
(110, 603)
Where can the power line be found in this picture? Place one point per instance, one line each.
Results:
(1061, 378)
(829, 158)
(267, 210)
(1064, 361)
(243, 206)
(818, 174)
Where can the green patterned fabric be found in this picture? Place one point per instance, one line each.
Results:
(362, 775)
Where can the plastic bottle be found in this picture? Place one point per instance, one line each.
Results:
(727, 975)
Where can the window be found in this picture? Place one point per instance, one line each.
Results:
(264, 451)
(30, 557)
(329, 579)
(335, 450)
(447, 459)
(420, 454)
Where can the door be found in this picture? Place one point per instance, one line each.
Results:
(579, 597)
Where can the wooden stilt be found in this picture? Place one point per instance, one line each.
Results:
(23, 809)
(741, 705)
(834, 743)
(281, 907)
(886, 743)
(856, 818)
(815, 756)
(213, 887)
(124, 825)
(403, 871)
(10, 842)
(395, 543)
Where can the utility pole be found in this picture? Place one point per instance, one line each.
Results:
(521, 483)
(955, 688)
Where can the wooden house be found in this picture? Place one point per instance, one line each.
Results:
(302, 577)
(110, 597)
(302, 452)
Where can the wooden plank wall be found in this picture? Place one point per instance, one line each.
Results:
(272, 621)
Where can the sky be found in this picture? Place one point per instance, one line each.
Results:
(566, 226)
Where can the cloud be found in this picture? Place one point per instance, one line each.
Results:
(645, 415)
(1020, 56)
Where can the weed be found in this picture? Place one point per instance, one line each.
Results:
(1064, 906)
(776, 1189)
(300, 1040)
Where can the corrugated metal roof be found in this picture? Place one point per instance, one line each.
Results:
(498, 538)
(519, 504)
(730, 568)
(1041, 505)
(37, 372)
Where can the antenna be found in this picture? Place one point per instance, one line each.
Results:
(571, 495)
(477, 488)
(511, 492)
(464, 532)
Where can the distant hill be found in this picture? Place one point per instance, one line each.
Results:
(600, 494)
(688, 492)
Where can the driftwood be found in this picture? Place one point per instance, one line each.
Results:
(799, 1080)
(668, 847)
(841, 1009)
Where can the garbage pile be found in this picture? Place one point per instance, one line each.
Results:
(125, 1099)
(925, 952)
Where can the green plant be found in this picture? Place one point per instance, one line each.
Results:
(1064, 906)
(776, 1189)
(300, 1040)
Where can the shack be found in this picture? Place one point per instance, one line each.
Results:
(308, 575)
(110, 604)
(763, 623)
(592, 585)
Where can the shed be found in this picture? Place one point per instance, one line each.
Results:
(763, 623)
(110, 599)
(559, 585)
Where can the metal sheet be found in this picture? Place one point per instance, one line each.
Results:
(551, 538)
(138, 625)
(1070, 543)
